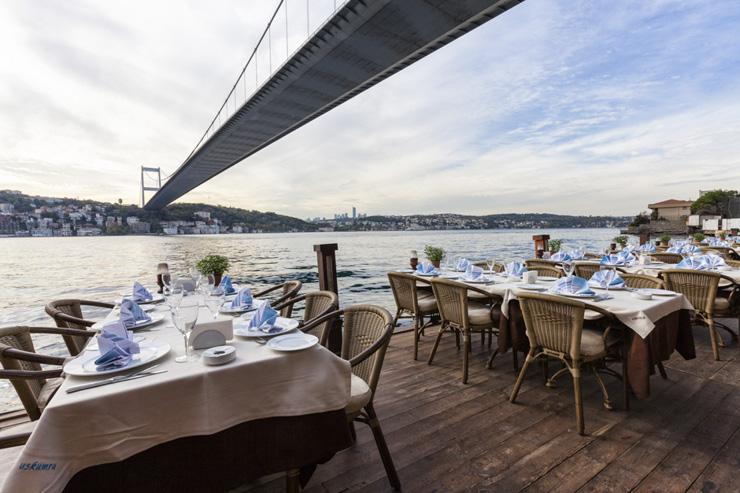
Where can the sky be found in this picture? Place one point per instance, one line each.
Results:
(562, 106)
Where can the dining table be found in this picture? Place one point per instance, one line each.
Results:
(189, 426)
(653, 329)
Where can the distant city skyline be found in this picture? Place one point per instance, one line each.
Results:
(570, 107)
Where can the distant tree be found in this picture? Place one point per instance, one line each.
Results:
(120, 201)
(715, 202)
(641, 218)
(654, 215)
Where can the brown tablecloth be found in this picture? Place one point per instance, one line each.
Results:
(671, 333)
(224, 460)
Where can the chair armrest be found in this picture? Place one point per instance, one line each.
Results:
(14, 439)
(74, 320)
(99, 304)
(267, 291)
(311, 324)
(289, 302)
(374, 347)
(30, 374)
(481, 291)
(32, 357)
(62, 331)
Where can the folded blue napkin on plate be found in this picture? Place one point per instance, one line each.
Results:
(226, 285)
(264, 318)
(611, 260)
(462, 265)
(141, 293)
(561, 256)
(712, 262)
(425, 268)
(599, 279)
(647, 247)
(695, 263)
(132, 314)
(473, 273)
(515, 269)
(116, 345)
(243, 299)
(571, 285)
(577, 254)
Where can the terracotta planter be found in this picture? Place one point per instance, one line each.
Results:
(217, 279)
(413, 263)
(435, 263)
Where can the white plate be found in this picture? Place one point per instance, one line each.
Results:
(155, 319)
(576, 295)
(433, 274)
(406, 271)
(547, 279)
(293, 342)
(241, 328)
(477, 281)
(449, 276)
(233, 311)
(532, 287)
(659, 292)
(611, 288)
(84, 365)
(156, 298)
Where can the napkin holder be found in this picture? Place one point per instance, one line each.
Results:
(212, 332)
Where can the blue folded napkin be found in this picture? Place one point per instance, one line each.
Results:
(462, 265)
(647, 247)
(515, 269)
(561, 256)
(425, 268)
(226, 285)
(717, 242)
(577, 254)
(599, 279)
(264, 318)
(116, 345)
(683, 247)
(243, 299)
(612, 260)
(571, 285)
(131, 313)
(141, 293)
(695, 263)
(472, 273)
(626, 256)
(712, 262)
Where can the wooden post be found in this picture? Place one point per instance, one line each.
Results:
(540, 243)
(327, 262)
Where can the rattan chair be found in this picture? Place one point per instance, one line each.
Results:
(700, 288)
(68, 314)
(665, 257)
(533, 262)
(367, 330)
(412, 302)
(546, 270)
(727, 305)
(592, 256)
(555, 330)
(22, 365)
(462, 316)
(724, 252)
(289, 290)
(735, 264)
(640, 281)
(317, 304)
(586, 269)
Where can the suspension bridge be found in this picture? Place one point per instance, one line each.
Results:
(358, 44)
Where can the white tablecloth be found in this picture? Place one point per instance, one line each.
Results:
(114, 422)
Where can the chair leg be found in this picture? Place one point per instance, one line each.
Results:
(490, 360)
(353, 432)
(416, 337)
(293, 481)
(490, 337)
(515, 359)
(457, 338)
(385, 454)
(661, 369)
(604, 393)
(520, 378)
(442, 328)
(466, 354)
(625, 375)
(576, 373)
(713, 337)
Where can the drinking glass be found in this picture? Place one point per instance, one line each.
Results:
(214, 301)
(609, 273)
(491, 262)
(186, 315)
(173, 297)
(568, 268)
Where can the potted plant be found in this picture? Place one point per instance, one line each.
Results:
(434, 254)
(698, 237)
(554, 245)
(665, 239)
(621, 240)
(722, 235)
(214, 265)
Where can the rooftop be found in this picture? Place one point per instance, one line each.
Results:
(671, 203)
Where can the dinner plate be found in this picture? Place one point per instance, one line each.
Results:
(293, 342)
(241, 309)
(431, 274)
(285, 325)
(156, 298)
(659, 292)
(477, 281)
(547, 279)
(532, 287)
(577, 295)
(84, 365)
(611, 288)
(449, 276)
(155, 319)
(407, 271)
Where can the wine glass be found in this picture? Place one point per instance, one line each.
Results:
(609, 273)
(173, 297)
(568, 268)
(491, 263)
(214, 301)
(186, 315)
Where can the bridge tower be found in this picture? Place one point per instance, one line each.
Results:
(149, 173)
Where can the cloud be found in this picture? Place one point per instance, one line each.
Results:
(588, 107)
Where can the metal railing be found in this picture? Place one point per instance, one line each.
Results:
(273, 49)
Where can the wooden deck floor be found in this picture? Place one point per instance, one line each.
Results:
(445, 436)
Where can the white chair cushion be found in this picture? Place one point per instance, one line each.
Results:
(479, 314)
(721, 305)
(427, 304)
(592, 342)
(592, 315)
(360, 394)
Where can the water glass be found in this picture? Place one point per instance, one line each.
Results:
(568, 268)
(185, 318)
(214, 301)
(609, 273)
